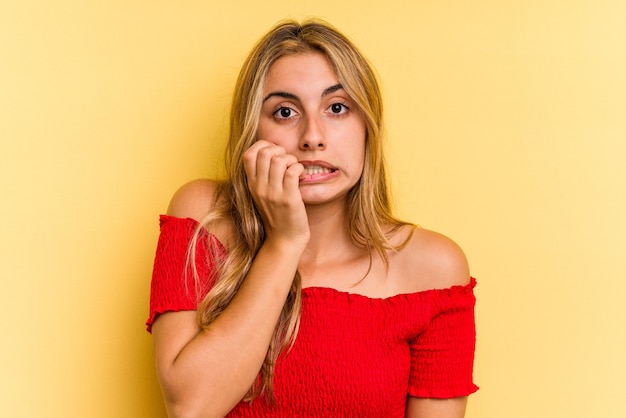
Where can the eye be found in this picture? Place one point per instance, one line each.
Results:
(338, 108)
(284, 113)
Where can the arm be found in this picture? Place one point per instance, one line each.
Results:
(435, 408)
(442, 356)
(206, 372)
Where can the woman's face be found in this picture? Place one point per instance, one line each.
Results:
(307, 112)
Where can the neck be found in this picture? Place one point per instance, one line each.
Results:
(330, 236)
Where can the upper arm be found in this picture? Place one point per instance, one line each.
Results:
(172, 330)
(435, 408)
(444, 350)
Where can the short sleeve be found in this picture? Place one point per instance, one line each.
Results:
(173, 286)
(442, 356)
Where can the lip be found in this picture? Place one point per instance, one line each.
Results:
(318, 163)
(318, 177)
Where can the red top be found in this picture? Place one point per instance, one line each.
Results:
(354, 356)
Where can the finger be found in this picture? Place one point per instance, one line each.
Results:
(292, 178)
(249, 161)
(268, 160)
(256, 161)
(278, 168)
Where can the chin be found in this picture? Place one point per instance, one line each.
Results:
(317, 199)
(318, 194)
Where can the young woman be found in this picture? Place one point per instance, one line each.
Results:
(290, 289)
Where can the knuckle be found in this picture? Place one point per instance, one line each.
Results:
(248, 156)
(279, 160)
(291, 173)
(266, 153)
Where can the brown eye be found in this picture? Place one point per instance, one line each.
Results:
(284, 113)
(338, 108)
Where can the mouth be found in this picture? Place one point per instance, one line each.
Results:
(316, 169)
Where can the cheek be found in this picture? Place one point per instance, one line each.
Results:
(262, 129)
(274, 133)
(360, 154)
(357, 157)
(360, 164)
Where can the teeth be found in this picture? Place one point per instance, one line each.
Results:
(315, 169)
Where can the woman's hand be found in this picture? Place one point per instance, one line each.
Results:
(206, 371)
(273, 180)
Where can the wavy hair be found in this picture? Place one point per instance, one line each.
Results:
(370, 219)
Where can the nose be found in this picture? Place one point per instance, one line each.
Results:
(312, 136)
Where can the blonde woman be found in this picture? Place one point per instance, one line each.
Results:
(290, 289)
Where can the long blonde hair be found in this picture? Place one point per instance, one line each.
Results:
(371, 222)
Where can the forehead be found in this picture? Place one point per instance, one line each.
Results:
(310, 70)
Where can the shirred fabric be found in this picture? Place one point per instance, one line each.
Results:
(442, 356)
(173, 286)
(354, 356)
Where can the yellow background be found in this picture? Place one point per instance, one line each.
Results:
(507, 131)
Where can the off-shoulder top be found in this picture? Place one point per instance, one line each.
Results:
(354, 356)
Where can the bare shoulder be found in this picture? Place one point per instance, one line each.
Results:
(193, 200)
(431, 260)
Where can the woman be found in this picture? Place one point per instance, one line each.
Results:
(290, 289)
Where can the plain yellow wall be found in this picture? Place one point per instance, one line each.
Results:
(507, 131)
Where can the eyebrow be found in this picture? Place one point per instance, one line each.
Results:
(286, 95)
